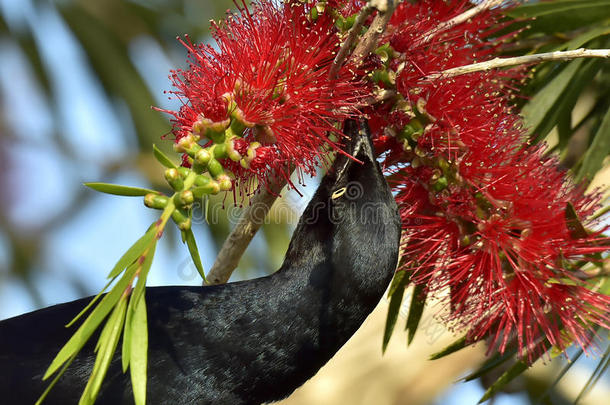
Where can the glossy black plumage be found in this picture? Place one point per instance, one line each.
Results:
(246, 342)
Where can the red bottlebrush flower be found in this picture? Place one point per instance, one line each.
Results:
(269, 82)
(484, 215)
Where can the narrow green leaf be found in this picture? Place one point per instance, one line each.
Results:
(206, 208)
(415, 311)
(535, 111)
(90, 304)
(133, 253)
(537, 9)
(126, 345)
(139, 352)
(493, 362)
(582, 39)
(135, 297)
(192, 245)
(55, 379)
(143, 273)
(565, 100)
(400, 279)
(116, 189)
(601, 368)
(109, 339)
(163, 159)
(452, 348)
(82, 334)
(560, 15)
(563, 372)
(564, 130)
(516, 370)
(575, 228)
(396, 292)
(600, 148)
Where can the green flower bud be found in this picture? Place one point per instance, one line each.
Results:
(155, 201)
(313, 14)
(185, 144)
(203, 157)
(220, 150)
(202, 180)
(183, 171)
(174, 180)
(184, 198)
(224, 182)
(205, 127)
(182, 219)
(210, 188)
(440, 184)
(198, 167)
(385, 52)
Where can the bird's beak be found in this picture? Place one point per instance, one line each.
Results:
(359, 146)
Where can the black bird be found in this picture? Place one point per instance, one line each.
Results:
(246, 342)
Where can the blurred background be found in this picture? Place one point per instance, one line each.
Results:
(77, 80)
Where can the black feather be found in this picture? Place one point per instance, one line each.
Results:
(246, 342)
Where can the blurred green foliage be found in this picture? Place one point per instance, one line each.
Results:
(106, 32)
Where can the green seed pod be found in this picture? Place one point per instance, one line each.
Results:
(173, 179)
(184, 198)
(440, 184)
(185, 144)
(198, 167)
(202, 180)
(155, 201)
(220, 150)
(443, 164)
(203, 156)
(313, 14)
(237, 127)
(211, 188)
(182, 219)
(217, 137)
(215, 168)
(385, 52)
(224, 182)
(183, 172)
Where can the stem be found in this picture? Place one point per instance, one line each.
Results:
(349, 41)
(465, 16)
(385, 9)
(520, 60)
(165, 216)
(240, 237)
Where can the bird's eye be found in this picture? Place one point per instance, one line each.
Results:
(338, 193)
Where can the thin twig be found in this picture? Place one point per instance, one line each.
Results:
(240, 237)
(521, 60)
(465, 16)
(352, 35)
(369, 40)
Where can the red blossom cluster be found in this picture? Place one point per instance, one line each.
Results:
(487, 218)
(267, 85)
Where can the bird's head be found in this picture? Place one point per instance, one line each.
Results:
(352, 220)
